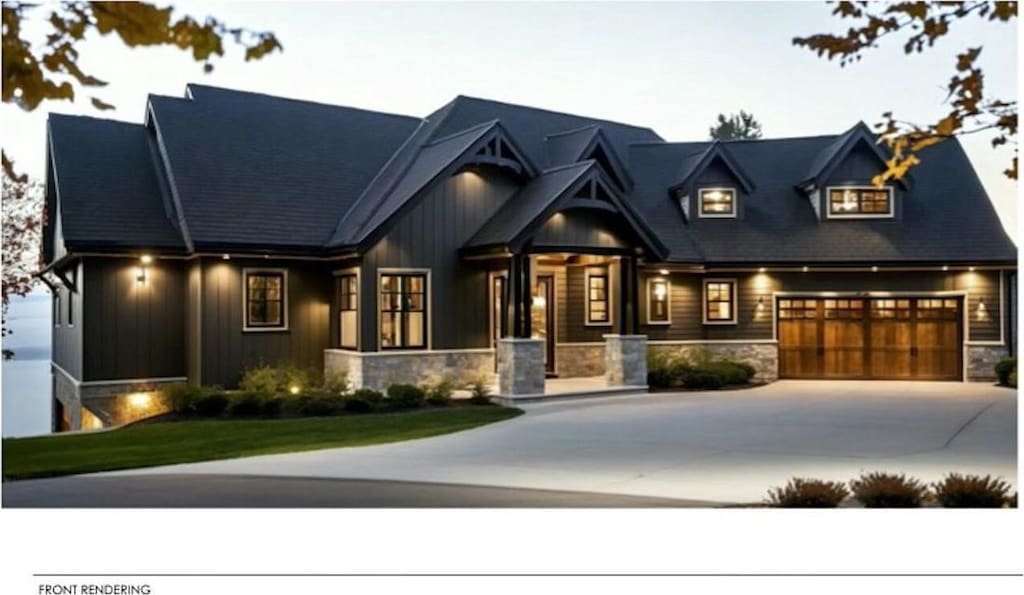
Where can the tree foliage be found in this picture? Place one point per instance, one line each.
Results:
(970, 109)
(736, 127)
(22, 233)
(48, 69)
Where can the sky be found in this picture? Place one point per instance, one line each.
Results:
(670, 66)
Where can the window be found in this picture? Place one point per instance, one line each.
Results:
(720, 301)
(859, 201)
(717, 202)
(403, 311)
(348, 311)
(266, 303)
(56, 307)
(73, 275)
(599, 305)
(658, 300)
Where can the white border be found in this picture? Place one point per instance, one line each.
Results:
(668, 300)
(735, 301)
(828, 204)
(430, 307)
(245, 301)
(700, 206)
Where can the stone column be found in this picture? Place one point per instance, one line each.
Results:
(625, 360)
(521, 366)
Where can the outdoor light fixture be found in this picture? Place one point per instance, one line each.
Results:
(945, 267)
(226, 257)
(146, 260)
(663, 272)
(970, 269)
(139, 400)
(874, 269)
(761, 270)
(293, 389)
(982, 311)
(805, 269)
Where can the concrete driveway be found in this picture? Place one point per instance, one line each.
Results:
(717, 446)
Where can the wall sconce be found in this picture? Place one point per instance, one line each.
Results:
(982, 311)
(759, 310)
(145, 261)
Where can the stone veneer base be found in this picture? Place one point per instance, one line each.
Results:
(763, 356)
(378, 370)
(625, 360)
(520, 366)
(982, 359)
(113, 403)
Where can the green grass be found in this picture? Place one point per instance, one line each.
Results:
(153, 444)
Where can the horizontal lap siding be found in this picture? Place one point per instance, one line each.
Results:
(227, 350)
(576, 329)
(429, 236)
(133, 329)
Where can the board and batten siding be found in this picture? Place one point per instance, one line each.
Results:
(67, 340)
(193, 321)
(132, 329)
(580, 228)
(227, 351)
(753, 323)
(429, 236)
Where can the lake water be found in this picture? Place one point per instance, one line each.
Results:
(26, 407)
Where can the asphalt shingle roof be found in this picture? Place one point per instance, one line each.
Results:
(111, 192)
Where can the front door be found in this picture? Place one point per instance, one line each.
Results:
(542, 318)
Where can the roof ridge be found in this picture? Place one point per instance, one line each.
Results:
(573, 131)
(58, 115)
(560, 113)
(463, 132)
(293, 100)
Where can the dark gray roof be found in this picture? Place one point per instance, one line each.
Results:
(267, 172)
(256, 172)
(693, 165)
(946, 216)
(110, 189)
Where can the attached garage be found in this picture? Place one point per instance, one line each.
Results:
(918, 338)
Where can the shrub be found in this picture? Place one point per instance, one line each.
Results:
(210, 405)
(661, 370)
(272, 407)
(247, 405)
(1005, 367)
(319, 406)
(695, 370)
(354, 404)
(337, 383)
(888, 490)
(729, 371)
(373, 397)
(405, 396)
(270, 380)
(479, 392)
(808, 493)
(180, 397)
(971, 491)
(262, 380)
(1012, 379)
(439, 393)
(702, 378)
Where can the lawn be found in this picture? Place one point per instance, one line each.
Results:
(153, 444)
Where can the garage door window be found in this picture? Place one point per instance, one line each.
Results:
(890, 309)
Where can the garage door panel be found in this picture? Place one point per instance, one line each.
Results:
(883, 338)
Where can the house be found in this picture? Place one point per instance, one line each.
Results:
(232, 229)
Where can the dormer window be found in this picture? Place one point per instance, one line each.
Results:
(859, 202)
(717, 202)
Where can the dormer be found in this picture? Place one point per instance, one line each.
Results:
(588, 143)
(712, 185)
(838, 183)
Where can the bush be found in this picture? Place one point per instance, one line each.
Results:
(971, 491)
(888, 490)
(702, 378)
(1006, 367)
(374, 397)
(320, 405)
(479, 392)
(337, 383)
(273, 406)
(180, 397)
(263, 380)
(440, 392)
(695, 370)
(1012, 379)
(210, 405)
(405, 396)
(247, 405)
(354, 404)
(280, 380)
(661, 370)
(808, 493)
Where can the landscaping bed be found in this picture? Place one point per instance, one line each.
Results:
(673, 372)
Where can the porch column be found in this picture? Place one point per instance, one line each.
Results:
(625, 360)
(520, 358)
(629, 312)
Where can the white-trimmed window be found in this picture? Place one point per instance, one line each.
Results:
(859, 202)
(599, 297)
(404, 309)
(347, 287)
(659, 300)
(716, 202)
(720, 301)
(265, 298)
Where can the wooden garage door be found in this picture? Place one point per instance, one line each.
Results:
(881, 338)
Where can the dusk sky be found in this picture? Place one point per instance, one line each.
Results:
(670, 66)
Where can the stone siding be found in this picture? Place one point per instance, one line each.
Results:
(981, 361)
(579, 360)
(625, 360)
(116, 404)
(763, 356)
(66, 392)
(379, 370)
(520, 366)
